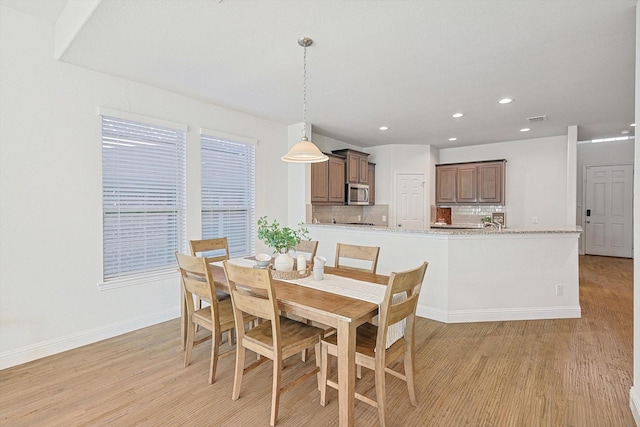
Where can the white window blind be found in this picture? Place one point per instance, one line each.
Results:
(228, 193)
(143, 198)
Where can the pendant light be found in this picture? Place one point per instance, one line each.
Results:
(304, 151)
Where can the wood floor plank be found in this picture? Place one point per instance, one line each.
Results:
(566, 372)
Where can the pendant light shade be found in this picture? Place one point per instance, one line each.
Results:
(304, 151)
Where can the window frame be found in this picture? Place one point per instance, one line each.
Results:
(208, 136)
(148, 273)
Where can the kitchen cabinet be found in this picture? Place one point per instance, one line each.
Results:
(467, 184)
(327, 181)
(491, 177)
(446, 184)
(357, 165)
(471, 183)
(371, 168)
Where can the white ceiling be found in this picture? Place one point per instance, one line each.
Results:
(408, 64)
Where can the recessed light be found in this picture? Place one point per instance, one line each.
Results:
(457, 115)
(384, 128)
(505, 101)
(525, 130)
(453, 139)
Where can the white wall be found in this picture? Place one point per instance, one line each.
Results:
(50, 193)
(535, 180)
(401, 158)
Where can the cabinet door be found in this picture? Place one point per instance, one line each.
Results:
(372, 183)
(446, 184)
(491, 183)
(363, 170)
(353, 168)
(467, 184)
(320, 181)
(336, 180)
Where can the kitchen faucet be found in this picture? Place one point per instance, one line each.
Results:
(497, 225)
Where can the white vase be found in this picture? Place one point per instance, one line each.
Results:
(284, 262)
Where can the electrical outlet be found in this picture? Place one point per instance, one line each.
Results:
(559, 289)
(534, 220)
(359, 218)
(384, 218)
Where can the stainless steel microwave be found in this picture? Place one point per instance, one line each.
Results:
(357, 194)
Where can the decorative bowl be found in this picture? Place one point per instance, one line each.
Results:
(263, 260)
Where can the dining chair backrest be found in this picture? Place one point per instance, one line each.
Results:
(357, 252)
(308, 247)
(218, 246)
(406, 285)
(196, 280)
(255, 295)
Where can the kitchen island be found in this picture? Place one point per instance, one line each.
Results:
(476, 274)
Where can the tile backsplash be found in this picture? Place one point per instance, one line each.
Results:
(377, 214)
(470, 214)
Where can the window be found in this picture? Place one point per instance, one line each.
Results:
(143, 198)
(228, 191)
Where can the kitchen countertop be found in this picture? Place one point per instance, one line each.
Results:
(453, 230)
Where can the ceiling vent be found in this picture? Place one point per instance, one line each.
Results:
(536, 119)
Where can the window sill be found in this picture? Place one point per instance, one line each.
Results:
(139, 279)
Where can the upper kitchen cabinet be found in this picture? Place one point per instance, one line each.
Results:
(471, 183)
(446, 184)
(327, 181)
(357, 165)
(491, 177)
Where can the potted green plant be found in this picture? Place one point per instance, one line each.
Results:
(281, 239)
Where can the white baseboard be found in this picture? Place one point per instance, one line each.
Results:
(432, 313)
(634, 404)
(501, 314)
(58, 345)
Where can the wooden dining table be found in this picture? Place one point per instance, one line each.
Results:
(341, 312)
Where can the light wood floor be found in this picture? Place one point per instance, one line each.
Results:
(573, 372)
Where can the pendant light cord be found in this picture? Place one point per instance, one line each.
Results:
(304, 94)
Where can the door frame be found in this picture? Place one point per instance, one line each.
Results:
(425, 202)
(583, 215)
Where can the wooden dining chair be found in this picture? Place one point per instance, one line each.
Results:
(276, 338)
(216, 249)
(217, 317)
(372, 349)
(357, 252)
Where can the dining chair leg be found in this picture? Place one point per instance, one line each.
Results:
(183, 320)
(275, 393)
(408, 372)
(324, 372)
(215, 348)
(381, 396)
(237, 381)
(189, 344)
(359, 371)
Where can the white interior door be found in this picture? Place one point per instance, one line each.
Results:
(609, 210)
(410, 209)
